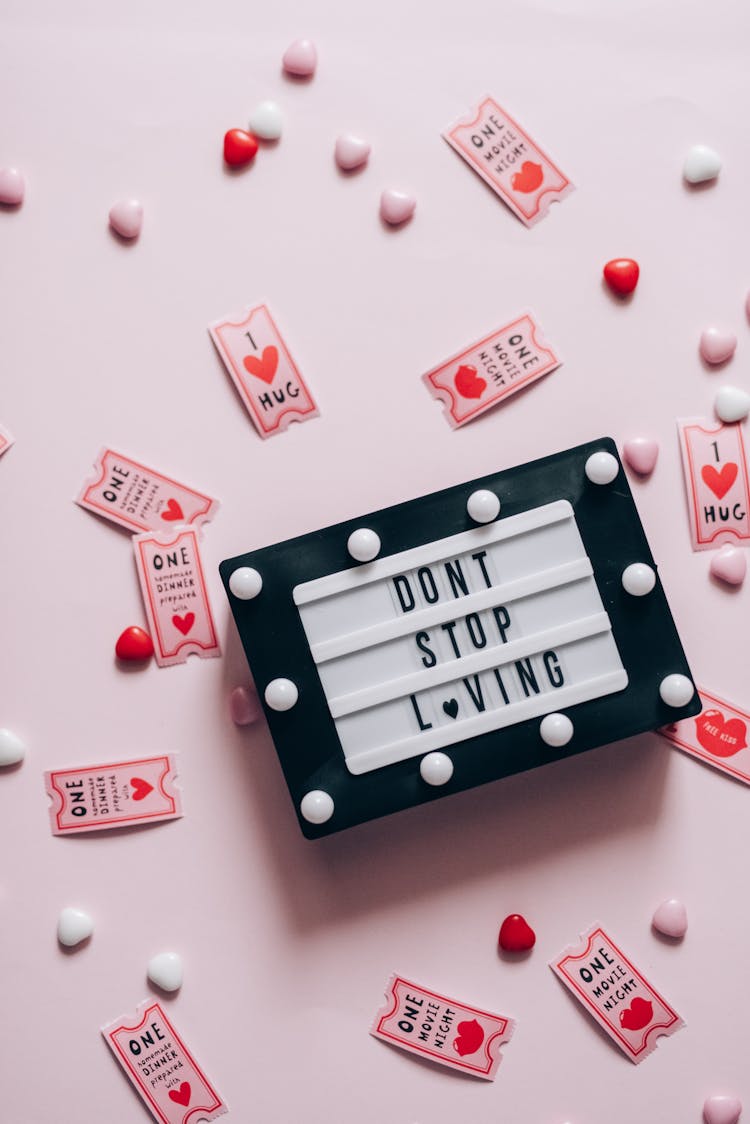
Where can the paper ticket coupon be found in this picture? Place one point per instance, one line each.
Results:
(139, 498)
(162, 1067)
(433, 1026)
(97, 797)
(504, 155)
(716, 480)
(616, 994)
(718, 736)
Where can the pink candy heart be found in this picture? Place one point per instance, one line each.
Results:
(351, 152)
(729, 565)
(717, 346)
(670, 918)
(396, 206)
(300, 58)
(722, 1110)
(640, 454)
(244, 706)
(12, 186)
(126, 218)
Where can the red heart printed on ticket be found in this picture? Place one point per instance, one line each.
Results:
(506, 158)
(490, 370)
(6, 440)
(175, 596)
(619, 997)
(716, 480)
(719, 735)
(97, 797)
(140, 499)
(433, 1026)
(263, 371)
(162, 1068)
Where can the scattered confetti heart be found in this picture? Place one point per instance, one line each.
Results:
(396, 206)
(621, 274)
(701, 164)
(239, 147)
(126, 218)
(351, 152)
(244, 706)
(717, 346)
(640, 454)
(729, 565)
(722, 1109)
(12, 187)
(73, 926)
(300, 58)
(732, 404)
(266, 121)
(670, 918)
(516, 935)
(165, 970)
(12, 749)
(134, 644)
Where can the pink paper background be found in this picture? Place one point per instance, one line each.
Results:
(287, 942)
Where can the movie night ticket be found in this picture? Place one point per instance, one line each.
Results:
(716, 479)
(140, 499)
(619, 997)
(506, 158)
(162, 1067)
(487, 372)
(432, 1026)
(124, 793)
(263, 371)
(175, 596)
(718, 736)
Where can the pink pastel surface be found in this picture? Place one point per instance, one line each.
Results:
(285, 941)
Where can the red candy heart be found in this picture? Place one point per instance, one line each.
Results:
(621, 274)
(141, 788)
(134, 644)
(181, 1095)
(239, 147)
(516, 935)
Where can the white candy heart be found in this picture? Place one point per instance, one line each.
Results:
(12, 749)
(732, 404)
(351, 152)
(670, 918)
(165, 970)
(266, 121)
(722, 1110)
(701, 164)
(73, 926)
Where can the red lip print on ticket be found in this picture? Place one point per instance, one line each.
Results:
(506, 158)
(97, 797)
(619, 997)
(718, 736)
(263, 371)
(175, 596)
(433, 1026)
(716, 479)
(140, 499)
(162, 1068)
(490, 370)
